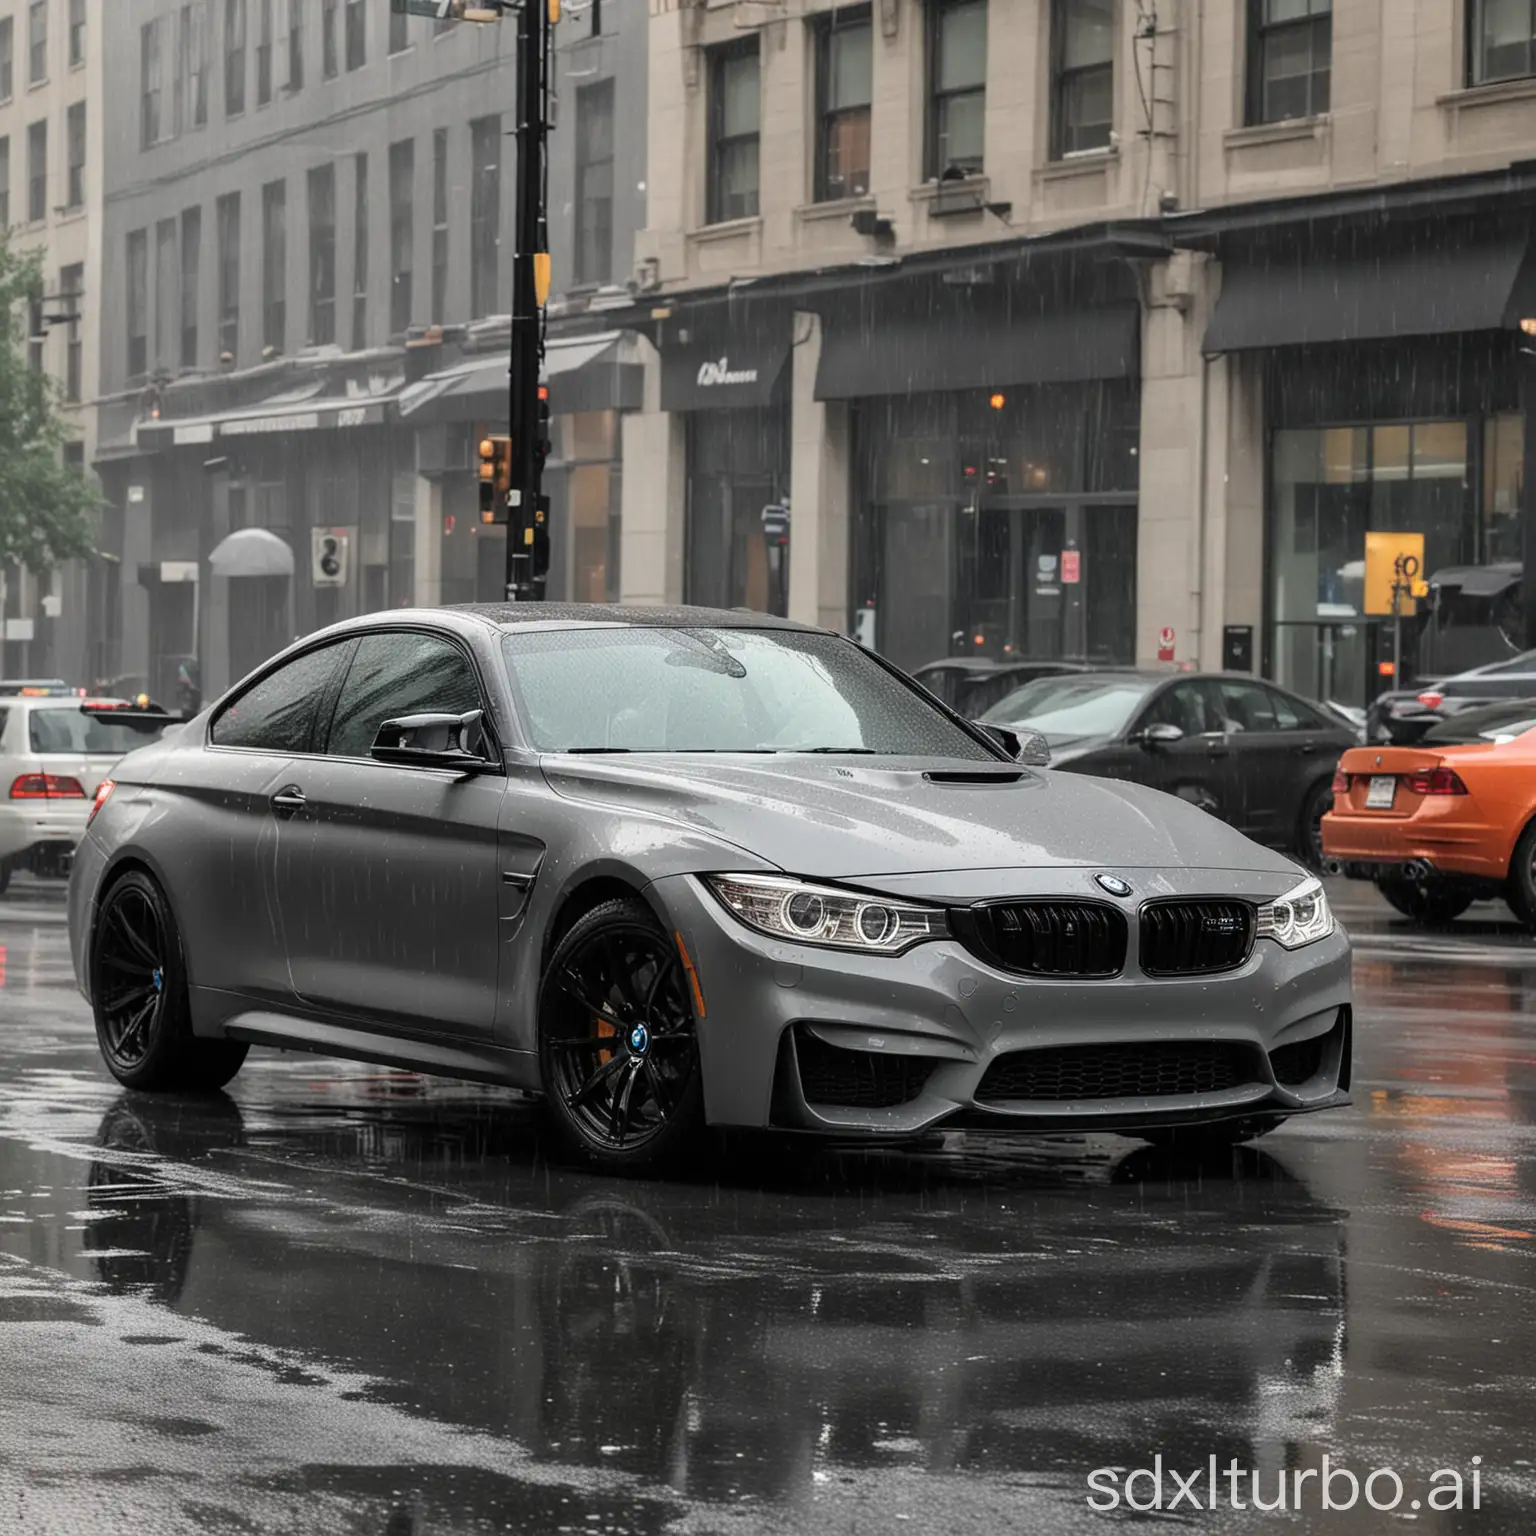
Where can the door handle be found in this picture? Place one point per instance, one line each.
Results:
(286, 801)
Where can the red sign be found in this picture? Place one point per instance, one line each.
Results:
(1071, 567)
(1165, 643)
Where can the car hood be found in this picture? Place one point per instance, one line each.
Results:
(848, 819)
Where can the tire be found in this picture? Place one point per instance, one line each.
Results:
(1520, 889)
(139, 997)
(1220, 1136)
(618, 1050)
(1433, 902)
(1309, 829)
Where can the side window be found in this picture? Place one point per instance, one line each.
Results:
(1296, 715)
(278, 713)
(1249, 707)
(1185, 705)
(399, 674)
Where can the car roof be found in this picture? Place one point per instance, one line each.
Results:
(610, 615)
(987, 664)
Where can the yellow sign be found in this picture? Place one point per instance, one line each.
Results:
(1392, 559)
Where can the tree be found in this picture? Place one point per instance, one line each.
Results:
(48, 509)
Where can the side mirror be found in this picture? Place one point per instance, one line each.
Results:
(1161, 734)
(1027, 747)
(433, 741)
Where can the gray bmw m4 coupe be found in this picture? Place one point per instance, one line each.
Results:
(676, 868)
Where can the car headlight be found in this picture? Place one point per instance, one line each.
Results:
(786, 908)
(1301, 916)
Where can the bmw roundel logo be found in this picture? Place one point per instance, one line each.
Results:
(639, 1038)
(1113, 884)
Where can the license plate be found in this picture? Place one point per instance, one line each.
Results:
(1383, 790)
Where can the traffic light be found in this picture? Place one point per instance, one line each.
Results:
(495, 476)
(541, 444)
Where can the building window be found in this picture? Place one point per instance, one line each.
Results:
(37, 42)
(594, 183)
(167, 307)
(228, 215)
(844, 60)
(735, 113)
(360, 252)
(191, 262)
(329, 65)
(150, 84)
(399, 33)
(138, 303)
(37, 333)
(1083, 76)
(192, 65)
(263, 52)
(37, 171)
(76, 33)
(71, 290)
(322, 255)
(357, 34)
(295, 45)
(439, 225)
(74, 123)
(485, 210)
(1290, 58)
(1502, 45)
(957, 72)
(402, 176)
(274, 265)
(7, 58)
(5, 182)
(234, 57)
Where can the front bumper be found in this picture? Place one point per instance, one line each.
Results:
(953, 1016)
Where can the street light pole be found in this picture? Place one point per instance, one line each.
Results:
(527, 509)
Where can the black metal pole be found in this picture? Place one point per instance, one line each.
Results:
(527, 339)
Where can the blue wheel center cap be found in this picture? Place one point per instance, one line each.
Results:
(158, 977)
(639, 1039)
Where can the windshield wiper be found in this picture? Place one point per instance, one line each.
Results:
(576, 751)
(839, 751)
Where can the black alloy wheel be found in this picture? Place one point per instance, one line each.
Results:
(1520, 888)
(617, 1047)
(139, 996)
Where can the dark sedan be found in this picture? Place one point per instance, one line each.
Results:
(970, 685)
(1258, 756)
(1403, 717)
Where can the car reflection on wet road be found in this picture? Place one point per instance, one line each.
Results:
(341, 1299)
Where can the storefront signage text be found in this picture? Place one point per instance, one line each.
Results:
(711, 374)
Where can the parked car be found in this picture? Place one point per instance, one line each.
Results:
(971, 685)
(1403, 716)
(675, 867)
(1256, 755)
(1442, 824)
(53, 758)
(1487, 723)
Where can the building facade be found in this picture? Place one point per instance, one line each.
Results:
(1086, 328)
(51, 81)
(308, 236)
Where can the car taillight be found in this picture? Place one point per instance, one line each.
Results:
(1435, 781)
(46, 786)
(1431, 700)
(1340, 782)
(103, 794)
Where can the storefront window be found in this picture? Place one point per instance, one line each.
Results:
(738, 464)
(1503, 476)
(589, 444)
(1333, 485)
(983, 524)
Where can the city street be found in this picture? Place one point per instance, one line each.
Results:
(347, 1300)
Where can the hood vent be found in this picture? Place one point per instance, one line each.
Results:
(960, 776)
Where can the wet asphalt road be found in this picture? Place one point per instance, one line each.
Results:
(348, 1300)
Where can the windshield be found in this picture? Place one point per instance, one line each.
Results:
(66, 730)
(1065, 708)
(719, 690)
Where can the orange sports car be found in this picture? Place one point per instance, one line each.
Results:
(1445, 823)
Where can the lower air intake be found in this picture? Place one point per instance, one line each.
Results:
(1147, 1070)
(843, 1079)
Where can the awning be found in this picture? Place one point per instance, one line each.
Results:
(728, 372)
(592, 371)
(1429, 286)
(252, 552)
(910, 354)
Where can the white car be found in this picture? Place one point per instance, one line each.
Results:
(53, 757)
